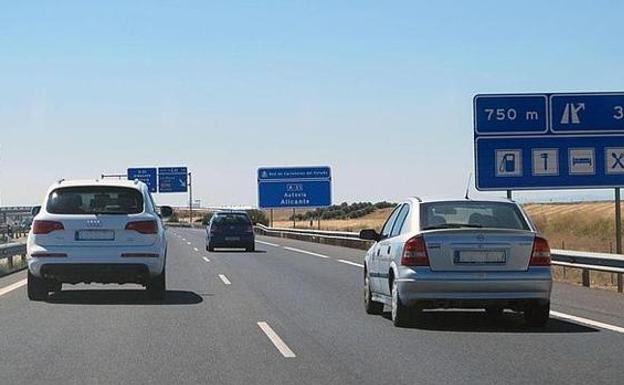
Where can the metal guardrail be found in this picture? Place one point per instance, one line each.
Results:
(586, 261)
(10, 250)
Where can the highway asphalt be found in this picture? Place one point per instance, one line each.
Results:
(291, 313)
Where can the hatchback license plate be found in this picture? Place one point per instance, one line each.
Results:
(470, 256)
(230, 239)
(95, 235)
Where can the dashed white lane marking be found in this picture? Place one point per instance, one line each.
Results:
(350, 263)
(306, 252)
(13, 286)
(276, 340)
(188, 243)
(195, 248)
(268, 243)
(225, 279)
(184, 239)
(587, 321)
(206, 259)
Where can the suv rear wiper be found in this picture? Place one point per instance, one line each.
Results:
(452, 226)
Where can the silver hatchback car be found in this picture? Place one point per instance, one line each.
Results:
(457, 254)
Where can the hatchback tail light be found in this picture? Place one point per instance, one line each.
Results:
(250, 229)
(415, 252)
(143, 227)
(46, 227)
(541, 253)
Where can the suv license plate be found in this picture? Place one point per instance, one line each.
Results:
(95, 235)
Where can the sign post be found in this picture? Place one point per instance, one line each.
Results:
(550, 141)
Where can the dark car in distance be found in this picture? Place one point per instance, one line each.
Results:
(230, 229)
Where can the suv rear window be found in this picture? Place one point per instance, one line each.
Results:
(458, 214)
(231, 219)
(95, 200)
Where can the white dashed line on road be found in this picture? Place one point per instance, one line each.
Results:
(586, 321)
(350, 263)
(306, 252)
(225, 279)
(195, 248)
(13, 286)
(206, 259)
(276, 340)
(268, 243)
(188, 243)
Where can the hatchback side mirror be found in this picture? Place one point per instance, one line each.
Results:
(370, 235)
(166, 211)
(35, 210)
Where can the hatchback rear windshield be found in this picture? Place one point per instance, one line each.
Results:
(95, 200)
(231, 219)
(471, 214)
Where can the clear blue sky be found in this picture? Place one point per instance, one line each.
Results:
(379, 90)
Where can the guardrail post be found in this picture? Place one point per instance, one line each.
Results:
(586, 278)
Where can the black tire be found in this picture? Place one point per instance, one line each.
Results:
(251, 248)
(402, 316)
(210, 248)
(370, 306)
(37, 288)
(55, 286)
(537, 314)
(494, 311)
(157, 287)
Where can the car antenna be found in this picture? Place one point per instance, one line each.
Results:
(467, 196)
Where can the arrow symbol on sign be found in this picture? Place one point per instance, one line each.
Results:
(570, 113)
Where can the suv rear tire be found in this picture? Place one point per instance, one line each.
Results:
(157, 287)
(209, 248)
(37, 288)
(537, 314)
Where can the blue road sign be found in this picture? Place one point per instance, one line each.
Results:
(293, 187)
(549, 141)
(145, 175)
(172, 179)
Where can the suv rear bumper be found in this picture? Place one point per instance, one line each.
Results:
(96, 272)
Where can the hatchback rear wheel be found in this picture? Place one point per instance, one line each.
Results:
(402, 316)
(537, 314)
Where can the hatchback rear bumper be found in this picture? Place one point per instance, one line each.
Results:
(234, 240)
(429, 289)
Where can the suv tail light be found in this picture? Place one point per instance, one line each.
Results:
(541, 253)
(46, 227)
(415, 252)
(143, 227)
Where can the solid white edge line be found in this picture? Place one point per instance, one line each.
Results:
(585, 321)
(206, 259)
(268, 243)
(350, 263)
(276, 340)
(306, 252)
(224, 279)
(13, 286)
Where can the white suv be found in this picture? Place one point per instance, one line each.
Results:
(105, 231)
